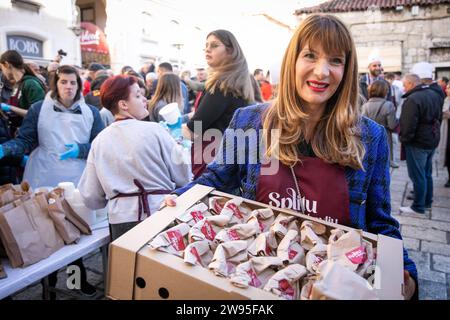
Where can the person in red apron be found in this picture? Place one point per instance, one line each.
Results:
(227, 88)
(317, 154)
(132, 164)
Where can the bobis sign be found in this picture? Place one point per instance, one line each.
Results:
(93, 39)
(26, 46)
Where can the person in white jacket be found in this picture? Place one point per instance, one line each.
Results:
(132, 163)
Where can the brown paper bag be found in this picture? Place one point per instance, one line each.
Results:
(21, 238)
(310, 234)
(264, 245)
(337, 282)
(256, 272)
(71, 215)
(173, 240)
(194, 214)
(285, 283)
(67, 230)
(307, 284)
(289, 250)
(198, 253)
(263, 218)
(227, 257)
(37, 209)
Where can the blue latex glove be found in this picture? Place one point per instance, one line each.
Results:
(5, 107)
(2, 154)
(24, 161)
(72, 152)
(175, 129)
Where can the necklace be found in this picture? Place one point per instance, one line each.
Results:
(299, 198)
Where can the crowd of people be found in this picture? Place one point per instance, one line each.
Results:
(102, 131)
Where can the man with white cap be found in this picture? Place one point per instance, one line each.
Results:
(375, 73)
(420, 122)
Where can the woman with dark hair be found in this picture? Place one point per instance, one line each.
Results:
(28, 88)
(227, 88)
(167, 91)
(317, 150)
(58, 132)
(382, 111)
(132, 163)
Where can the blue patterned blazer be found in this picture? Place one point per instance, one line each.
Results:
(370, 201)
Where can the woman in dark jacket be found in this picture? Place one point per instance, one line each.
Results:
(228, 87)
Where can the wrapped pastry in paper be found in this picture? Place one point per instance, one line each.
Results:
(264, 245)
(363, 269)
(315, 257)
(335, 234)
(207, 228)
(216, 204)
(307, 284)
(194, 214)
(337, 282)
(198, 253)
(173, 240)
(227, 257)
(348, 250)
(236, 211)
(283, 223)
(256, 272)
(237, 232)
(310, 234)
(263, 218)
(289, 250)
(285, 283)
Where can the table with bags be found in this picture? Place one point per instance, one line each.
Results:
(41, 233)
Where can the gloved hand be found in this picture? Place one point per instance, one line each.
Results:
(175, 129)
(5, 107)
(2, 154)
(72, 152)
(24, 161)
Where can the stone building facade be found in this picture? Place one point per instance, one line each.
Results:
(402, 32)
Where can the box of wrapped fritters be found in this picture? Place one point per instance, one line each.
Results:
(214, 245)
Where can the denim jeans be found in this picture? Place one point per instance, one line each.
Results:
(420, 169)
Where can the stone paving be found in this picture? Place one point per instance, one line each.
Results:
(427, 238)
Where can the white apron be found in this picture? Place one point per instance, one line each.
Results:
(55, 129)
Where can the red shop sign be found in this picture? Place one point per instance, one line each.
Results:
(93, 39)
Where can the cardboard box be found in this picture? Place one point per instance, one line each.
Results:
(137, 272)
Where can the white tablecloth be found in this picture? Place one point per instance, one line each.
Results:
(19, 278)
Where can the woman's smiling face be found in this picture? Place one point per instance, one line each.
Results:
(318, 75)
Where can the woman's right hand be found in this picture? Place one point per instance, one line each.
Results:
(170, 200)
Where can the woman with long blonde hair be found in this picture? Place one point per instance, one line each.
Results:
(319, 155)
(167, 91)
(227, 88)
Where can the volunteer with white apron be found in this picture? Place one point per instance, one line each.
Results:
(60, 129)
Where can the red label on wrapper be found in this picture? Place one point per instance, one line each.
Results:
(208, 231)
(197, 215)
(235, 210)
(195, 253)
(358, 255)
(255, 282)
(233, 235)
(287, 291)
(176, 239)
(292, 254)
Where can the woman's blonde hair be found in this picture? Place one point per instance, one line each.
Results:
(336, 138)
(232, 75)
(168, 89)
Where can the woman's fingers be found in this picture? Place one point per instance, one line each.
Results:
(170, 201)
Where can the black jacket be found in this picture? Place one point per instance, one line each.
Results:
(8, 165)
(421, 117)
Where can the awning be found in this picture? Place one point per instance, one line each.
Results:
(94, 47)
